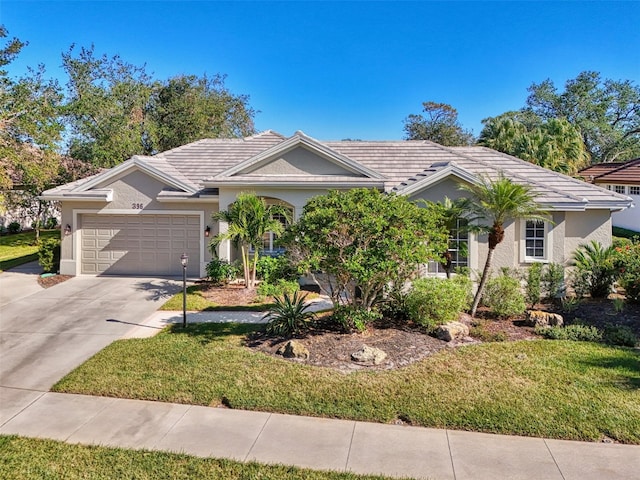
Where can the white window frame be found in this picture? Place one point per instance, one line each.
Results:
(622, 189)
(634, 190)
(547, 245)
(434, 268)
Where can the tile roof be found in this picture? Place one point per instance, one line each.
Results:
(614, 173)
(396, 164)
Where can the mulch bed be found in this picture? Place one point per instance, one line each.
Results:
(46, 282)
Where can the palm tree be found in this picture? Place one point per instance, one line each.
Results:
(249, 219)
(497, 202)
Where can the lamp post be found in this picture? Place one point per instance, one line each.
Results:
(184, 260)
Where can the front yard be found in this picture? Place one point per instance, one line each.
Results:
(19, 248)
(557, 389)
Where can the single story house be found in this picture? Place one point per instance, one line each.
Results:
(140, 216)
(623, 178)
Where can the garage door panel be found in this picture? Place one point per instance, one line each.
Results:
(139, 244)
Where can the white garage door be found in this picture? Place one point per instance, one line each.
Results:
(139, 244)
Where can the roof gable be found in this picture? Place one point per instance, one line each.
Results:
(299, 155)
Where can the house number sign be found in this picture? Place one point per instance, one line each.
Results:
(137, 206)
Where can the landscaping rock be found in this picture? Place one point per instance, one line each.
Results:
(370, 355)
(452, 331)
(537, 318)
(293, 349)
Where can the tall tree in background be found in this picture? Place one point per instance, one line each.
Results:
(29, 133)
(606, 112)
(106, 107)
(554, 144)
(188, 108)
(438, 123)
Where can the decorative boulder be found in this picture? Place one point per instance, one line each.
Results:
(370, 355)
(452, 331)
(537, 318)
(293, 349)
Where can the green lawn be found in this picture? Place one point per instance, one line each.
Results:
(19, 248)
(197, 302)
(32, 459)
(557, 389)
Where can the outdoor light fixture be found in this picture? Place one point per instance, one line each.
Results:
(207, 231)
(67, 229)
(184, 260)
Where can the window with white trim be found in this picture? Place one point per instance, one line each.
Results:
(620, 189)
(458, 250)
(634, 190)
(269, 240)
(536, 241)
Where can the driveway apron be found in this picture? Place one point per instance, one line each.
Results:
(46, 334)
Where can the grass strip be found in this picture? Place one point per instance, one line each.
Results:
(19, 248)
(197, 302)
(545, 388)
(26, 459)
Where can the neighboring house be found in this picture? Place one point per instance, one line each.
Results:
(622, 178)
(137, 218)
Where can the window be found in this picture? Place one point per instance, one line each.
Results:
(458, 250)
(620, 189)
(634, 190)
(536, 241)
(269, 240)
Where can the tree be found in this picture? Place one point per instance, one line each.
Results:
(450, 212)
(497, 202)
(439, 124)
(249, 218)
(554, 144)
(364, 240)
(188, 108)
(106, 107)
(29, 133)
(606, 112)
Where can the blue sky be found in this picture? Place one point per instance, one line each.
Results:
(346, 69)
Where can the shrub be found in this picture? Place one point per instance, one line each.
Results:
(220, 272)
(504, 297)
(534, 284)
(595, 271)
(49, 254)
(278, 289)
(352, 317)
(272, 269)
(14, 227)
(576, 332)
(434, 301)
(51, 223)
(619, 335)
(395, 305)
(553, 281)
(289, 315)
(627, 263)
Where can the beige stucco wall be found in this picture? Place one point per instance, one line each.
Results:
(437, 192)
(583, 227)
(299, 161)
(134, 193)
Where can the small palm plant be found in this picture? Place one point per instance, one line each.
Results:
(289, 315)
(595, 269)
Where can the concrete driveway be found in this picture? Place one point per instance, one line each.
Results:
(46, 333)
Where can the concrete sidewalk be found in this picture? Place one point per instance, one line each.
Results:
(322, 444)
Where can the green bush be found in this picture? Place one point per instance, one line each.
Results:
(534, 284)
(289, 315)
(595, 270)
(434, 301)
(395, 305)
(576, 332)
(272, 269)
(619, 335)
(353, 317)
(14, 227)
(221, 272)
(278, 289)
(627, 263)
(51, 223)
(49, 254)
(504, 296)
(553, 281)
